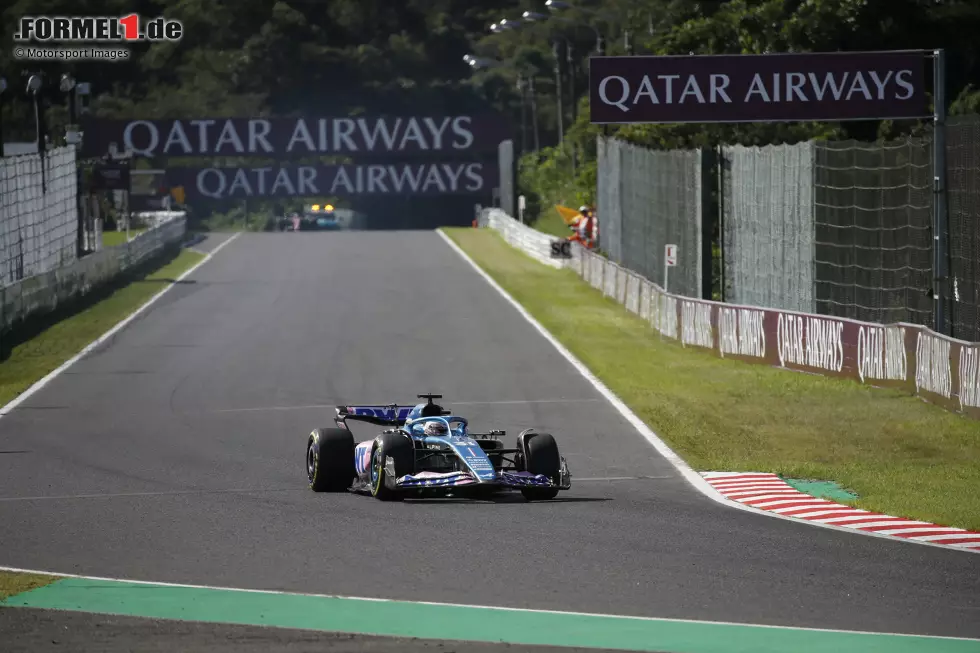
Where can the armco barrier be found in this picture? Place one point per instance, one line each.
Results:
(532, 242)
(44, 292)
(939, 369)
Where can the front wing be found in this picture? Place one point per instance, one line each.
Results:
(460, 479)
(448, 481)
(502, 479)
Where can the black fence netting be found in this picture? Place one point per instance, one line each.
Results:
(873, 221)
(963, 187)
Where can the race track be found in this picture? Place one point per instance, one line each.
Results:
(175, 453)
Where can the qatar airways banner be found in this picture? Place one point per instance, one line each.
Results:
(447, 178)
(284, 138)
(757, 88)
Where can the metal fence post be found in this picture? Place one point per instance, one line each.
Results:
(508, 177)
(708, 211)
(80, 206)
(939, 230)
(722, 245)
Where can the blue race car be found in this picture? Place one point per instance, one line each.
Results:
(430, 452)
(316, 217)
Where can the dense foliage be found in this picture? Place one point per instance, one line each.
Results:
(745, 26)
(259, 57)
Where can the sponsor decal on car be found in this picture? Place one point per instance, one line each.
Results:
(476, 460)
(382, 412)
(362, 457)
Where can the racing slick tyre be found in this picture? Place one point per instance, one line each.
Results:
(401, 449)
(330, 460)
(541, 457)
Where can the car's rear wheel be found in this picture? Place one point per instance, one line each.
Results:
(540, 456)
(330, 460)
(401, 449)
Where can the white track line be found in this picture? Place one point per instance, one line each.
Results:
(478, 607)
(26, 394)
(694, 478)
(162, 493)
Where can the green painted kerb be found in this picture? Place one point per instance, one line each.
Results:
(404, 619)
(822, 489)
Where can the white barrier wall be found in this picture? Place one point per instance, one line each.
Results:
(531, 241)
(43, 292)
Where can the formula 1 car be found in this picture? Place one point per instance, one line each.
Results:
(430, 452)
(316, 217)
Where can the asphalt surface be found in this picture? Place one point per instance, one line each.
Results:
(42, 631)
(175, 453)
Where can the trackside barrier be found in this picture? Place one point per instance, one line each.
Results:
(534, 243)
(38, 213)
(45, 292)
(939, 369)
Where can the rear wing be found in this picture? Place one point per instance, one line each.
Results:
(390, 415)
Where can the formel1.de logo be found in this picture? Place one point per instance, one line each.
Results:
(97, 29)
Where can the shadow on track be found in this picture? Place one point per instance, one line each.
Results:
(502, 500)
(183, 282)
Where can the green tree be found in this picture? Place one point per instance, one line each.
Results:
(255, 57)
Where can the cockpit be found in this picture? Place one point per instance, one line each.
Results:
(439, 426)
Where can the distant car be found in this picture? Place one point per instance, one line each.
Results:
(430, 452)
(315, 217)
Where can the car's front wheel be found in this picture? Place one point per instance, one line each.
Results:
(401, 450)
(541, 456)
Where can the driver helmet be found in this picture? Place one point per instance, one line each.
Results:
(435, 428)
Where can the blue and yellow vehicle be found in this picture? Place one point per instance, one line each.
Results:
(315, 217)
(430, 452)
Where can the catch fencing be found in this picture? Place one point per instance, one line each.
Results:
(39, 231)
(910, 357)
(38, 213)
(767, 225)
(648, 199)
(841, 229)
(873, 222)
(963, 164)
(44, 292)
(835, 228)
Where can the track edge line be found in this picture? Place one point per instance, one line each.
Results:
(116, 328)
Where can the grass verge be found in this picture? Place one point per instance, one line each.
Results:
(113, 238)
(13, 583)
(42, 344)
(550, 222)
(900, 455)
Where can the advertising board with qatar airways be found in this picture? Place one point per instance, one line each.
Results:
(758, 88)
